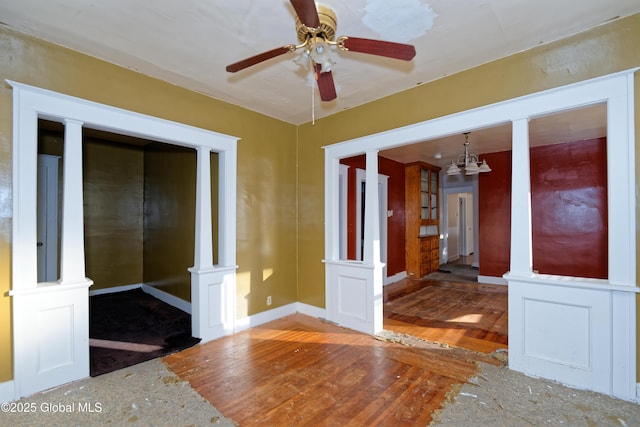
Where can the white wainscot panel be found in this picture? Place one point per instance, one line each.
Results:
(352, 299)
(574, 331)
(353, 295)
(55, 338)
(548, 323)
(215, 296)
(51, 337)
(212, 296)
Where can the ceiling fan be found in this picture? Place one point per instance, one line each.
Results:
(316, 28)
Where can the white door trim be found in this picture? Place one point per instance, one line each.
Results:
(50, 320)
(383, 182)
(616, 90)
(444, 215)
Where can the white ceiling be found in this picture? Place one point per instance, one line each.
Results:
(189, 42)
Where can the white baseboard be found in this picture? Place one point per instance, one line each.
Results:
(265, 316)
(168, 298)
(395, 278)
(638, 392)
(492, 280)
(114, 289)
(7, 391)
(155, 292)
(311, 310)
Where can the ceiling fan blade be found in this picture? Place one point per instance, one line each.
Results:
(325, 84)
(405, 52)
(245, 63)
(307, 12)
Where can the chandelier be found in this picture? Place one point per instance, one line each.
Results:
(467, 162)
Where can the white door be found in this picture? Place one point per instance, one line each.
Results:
(462, 226)
(453, 227)
(469, 225)
(47, 218)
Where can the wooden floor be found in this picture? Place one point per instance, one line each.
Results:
(299, 371)
(467, 315)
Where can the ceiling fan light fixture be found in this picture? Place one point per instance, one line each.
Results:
(316, 30)
(302, 60)
(320, 54)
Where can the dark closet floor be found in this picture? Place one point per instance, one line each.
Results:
(130, 327)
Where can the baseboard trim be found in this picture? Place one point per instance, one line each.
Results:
(638, 392)
(155, 292)
(168, 298)
(492, 280)
(7, 391)
(311, 310)
(265, 316)
(395, 278)
(115, 289)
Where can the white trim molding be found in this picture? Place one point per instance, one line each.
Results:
(265, 317)
(163, 296)
(50, 319)
(492, 280)
(311, 310)
(352, 289)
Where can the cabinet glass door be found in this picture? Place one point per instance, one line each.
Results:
(424, 193)
(434, 195)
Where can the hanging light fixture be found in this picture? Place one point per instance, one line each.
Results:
(467, 162)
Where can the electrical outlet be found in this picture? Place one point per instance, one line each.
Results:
(269, 300)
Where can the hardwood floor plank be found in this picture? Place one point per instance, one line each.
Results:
(467, 315)
(302, 371)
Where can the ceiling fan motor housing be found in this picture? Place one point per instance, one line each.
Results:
(326, 30)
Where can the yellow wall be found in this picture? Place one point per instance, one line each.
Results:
(603, 50)
(275, 202)
(266, 163)
(169, 218)
(606, 49)
(113, 190)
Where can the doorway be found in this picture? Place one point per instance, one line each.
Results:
(460, 226)
(52, 317)
(538, 300)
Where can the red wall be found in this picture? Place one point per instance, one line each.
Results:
(568, 208)
(395, 224)
(494, 215)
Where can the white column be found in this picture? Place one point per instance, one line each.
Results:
(203, 255)
(372, 244)
(521, 246)
(371, 211)
(72, 265)
(227, 177)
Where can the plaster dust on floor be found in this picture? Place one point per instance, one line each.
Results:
(146, 394)
(149, 394)
(500, 397)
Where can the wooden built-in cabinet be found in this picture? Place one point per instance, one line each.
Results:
(422, 223)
